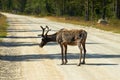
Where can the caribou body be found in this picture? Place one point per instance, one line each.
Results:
(66, 37)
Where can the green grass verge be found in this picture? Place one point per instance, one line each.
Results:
(113, 24)
(3, 27)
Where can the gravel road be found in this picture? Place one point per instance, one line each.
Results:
(21, 58)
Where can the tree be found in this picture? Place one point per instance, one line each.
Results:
(22, 5)
(117, 8)
(0, 5)
(92, 8)
(87, 10)
(104, 9)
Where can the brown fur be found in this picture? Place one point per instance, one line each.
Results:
(66, 37)
(69, 36)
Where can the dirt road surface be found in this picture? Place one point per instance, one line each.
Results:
(21, 58)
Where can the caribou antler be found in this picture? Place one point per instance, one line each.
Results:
(43, 30)
(47, 30)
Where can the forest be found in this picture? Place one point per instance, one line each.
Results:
(86, 9)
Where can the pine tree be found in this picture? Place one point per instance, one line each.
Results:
(87, 10)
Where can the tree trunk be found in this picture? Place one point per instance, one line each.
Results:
(92, 11)
(87, 11)
(104, 10)
(23, 5)
(9, 6)
(117, 9)
(63, 7)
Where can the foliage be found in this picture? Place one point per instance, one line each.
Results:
(3, 26)
(90, 9)
(80, 10)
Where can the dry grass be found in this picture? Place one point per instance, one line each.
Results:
(113, 25)
(3, 26)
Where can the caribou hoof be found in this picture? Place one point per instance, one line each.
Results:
(66, 62)
(79, 64)
(62, 63)
(83, 62)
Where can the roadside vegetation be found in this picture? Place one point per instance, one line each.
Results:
(83, 12)
(3, 27)
(113, 24)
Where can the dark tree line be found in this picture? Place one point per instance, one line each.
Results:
(89, 9)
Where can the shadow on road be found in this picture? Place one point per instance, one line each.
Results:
(25, 30)
(19, 37)
(17, 44)
(93, 43)
(33, 57)
(100, 64)
(20, 44)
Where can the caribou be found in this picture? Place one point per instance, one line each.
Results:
(66, 37)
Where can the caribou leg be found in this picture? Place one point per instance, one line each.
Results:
(79, 45)
(83, 44)
(65, 48)
(62, 54)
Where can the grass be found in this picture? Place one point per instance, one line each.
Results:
(3, 27)
(113, 24)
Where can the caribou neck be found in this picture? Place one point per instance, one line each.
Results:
(51, 38)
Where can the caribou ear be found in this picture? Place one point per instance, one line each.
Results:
(40, 35)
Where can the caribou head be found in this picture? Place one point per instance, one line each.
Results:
(44, 36)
